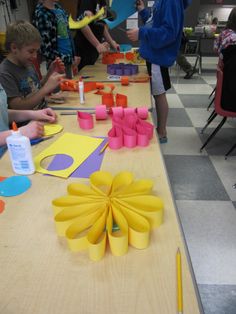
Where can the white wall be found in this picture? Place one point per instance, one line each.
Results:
(21, 13)
(221, 12)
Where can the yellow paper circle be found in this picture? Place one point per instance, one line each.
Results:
(51, 129)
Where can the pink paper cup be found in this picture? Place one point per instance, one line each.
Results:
(85, 120)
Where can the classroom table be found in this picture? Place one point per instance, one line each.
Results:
(39, 274)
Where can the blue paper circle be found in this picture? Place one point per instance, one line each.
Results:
(14, 185)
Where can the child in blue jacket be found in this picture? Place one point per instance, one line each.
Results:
(160, 39)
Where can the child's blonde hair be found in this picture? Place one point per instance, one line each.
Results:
(21, 33)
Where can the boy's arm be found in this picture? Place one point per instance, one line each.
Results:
(32, 100)
(56, 66)
(32, 130)
(109, 39)
(28, 102)
(87, 32)
(47, 115)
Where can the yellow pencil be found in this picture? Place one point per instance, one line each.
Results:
(179, 282)
(104, 147)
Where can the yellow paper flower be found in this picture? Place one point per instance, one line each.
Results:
(117, 209)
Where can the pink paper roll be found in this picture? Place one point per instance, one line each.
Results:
(101, 112)
(142, 136)
(142, 113)
(131, 120)
(148, 126)
(85, 120)
(118, 112)
(130, 137)
(117, 121)
(128, 111)
(115, 138)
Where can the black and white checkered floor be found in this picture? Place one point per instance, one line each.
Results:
(202, 187)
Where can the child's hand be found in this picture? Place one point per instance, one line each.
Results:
(102, 47)
(75, 64)
(34, 129)
(56, 66)
(76, 61)
(88, 13)
(140, 5)
(115, 45)
(46, 115)
(53, 82)
(132, 34)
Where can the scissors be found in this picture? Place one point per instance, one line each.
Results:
(38, 140)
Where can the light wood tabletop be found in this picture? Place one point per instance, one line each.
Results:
(39, 274)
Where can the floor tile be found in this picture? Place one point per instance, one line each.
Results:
(218, 299)
(195, 79)
(209, 72)
(182, 141)
(194, 178)
(232, 122)
(212, 85)
(199, 118)
(210, 233)
(221, 142)
(226, 170)
(191, 101)
(171, 90)
(211, 80)
(195, 89)
(174, 101)
(178, 117)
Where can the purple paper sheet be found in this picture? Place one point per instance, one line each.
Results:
(91, 164)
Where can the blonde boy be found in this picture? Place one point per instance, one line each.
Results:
(17, 73)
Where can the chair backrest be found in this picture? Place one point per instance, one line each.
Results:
(218, 106)
(192, 47)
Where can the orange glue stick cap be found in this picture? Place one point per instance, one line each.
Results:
(14, 126)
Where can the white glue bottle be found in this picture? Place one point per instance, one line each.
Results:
(19, 148)
(81, 91)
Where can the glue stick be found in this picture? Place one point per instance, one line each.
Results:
(20, 152)
(81, 91)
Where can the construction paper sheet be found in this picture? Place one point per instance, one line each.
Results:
(14, 185)
(78, 147)
(2, 206)
(125, 47)
(86, 20)
(113, 210)
(123, 9)
(51, 129)
(90, 165)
